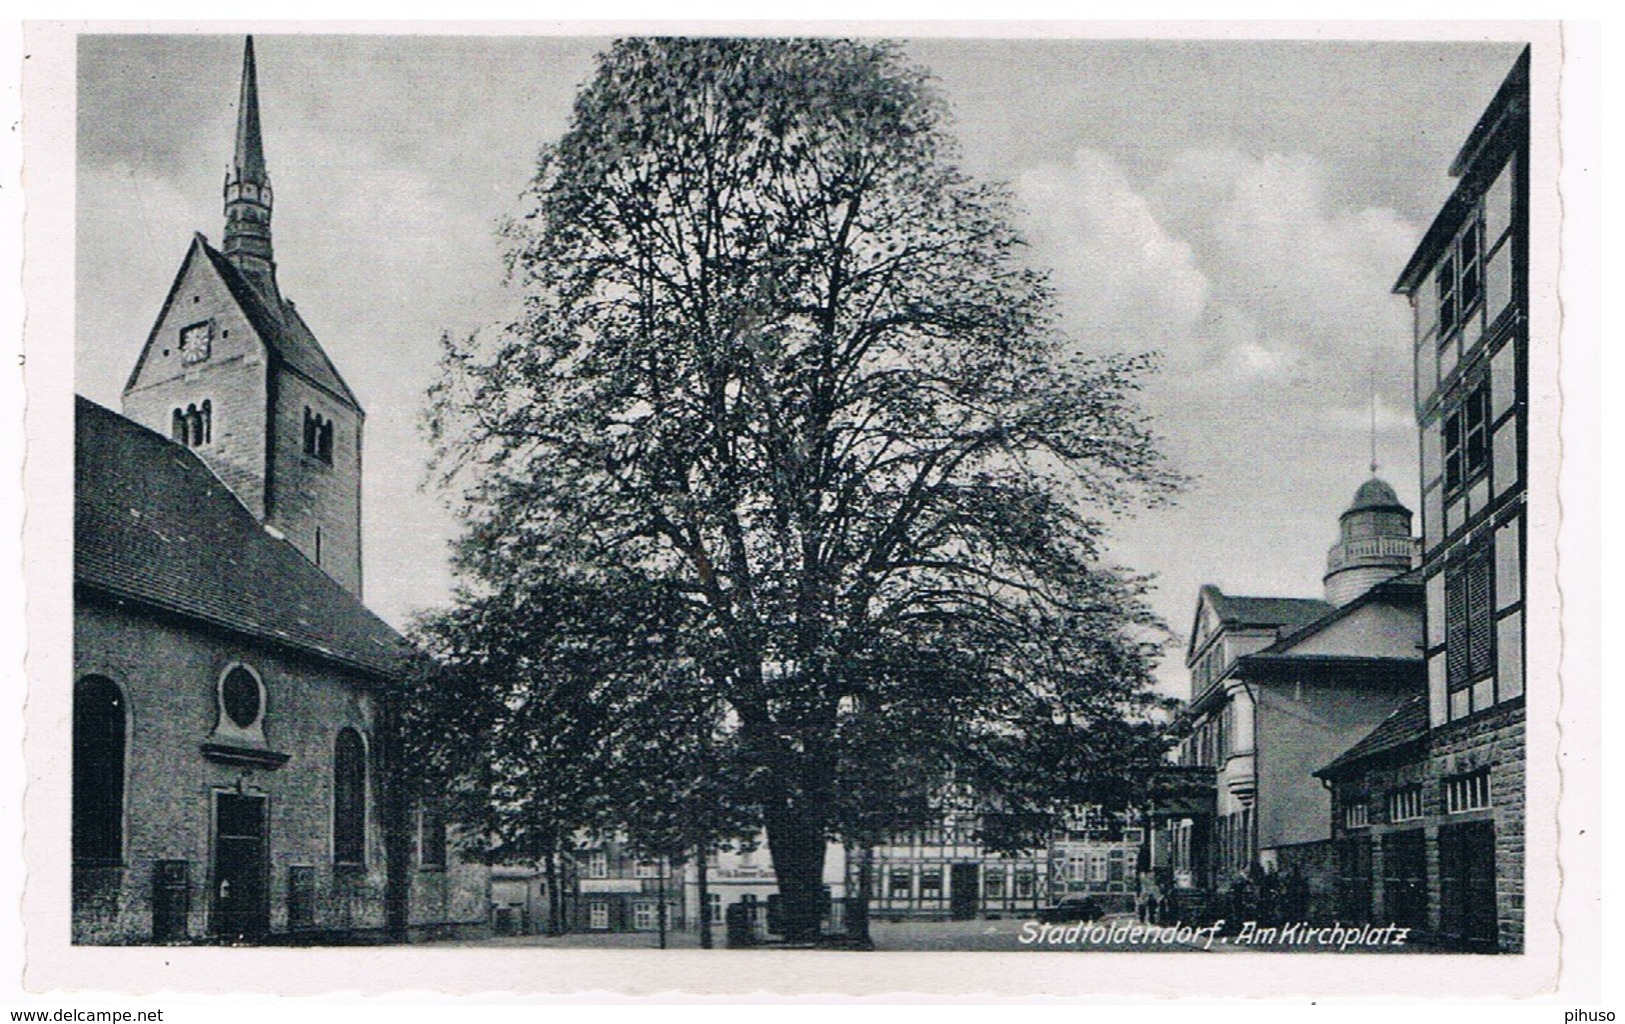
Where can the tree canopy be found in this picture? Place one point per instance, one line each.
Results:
(791, 420)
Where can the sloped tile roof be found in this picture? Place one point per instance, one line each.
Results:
(281, 326)
(1404, 589)
(1267, 611)
(153, 525)
(1405, 724)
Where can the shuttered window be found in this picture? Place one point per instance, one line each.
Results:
(1469, 614)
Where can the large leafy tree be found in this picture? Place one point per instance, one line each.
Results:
(783, 372)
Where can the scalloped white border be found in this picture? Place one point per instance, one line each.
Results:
(1564, 722)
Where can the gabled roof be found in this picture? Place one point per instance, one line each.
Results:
(153, 525)
(276, 321)
(1278, 613)
(1268, 611)
(1405, 724)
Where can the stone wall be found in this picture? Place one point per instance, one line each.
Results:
(232, 379)
(168, 673)
(1495, 741)
(309, 494)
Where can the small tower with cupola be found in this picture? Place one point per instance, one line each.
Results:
(1374, 543)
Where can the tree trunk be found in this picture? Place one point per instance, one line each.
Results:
(703, 875)
(796, 841)
(555, 899)
(857, 909)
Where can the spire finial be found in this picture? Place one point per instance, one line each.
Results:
(248, 188)
(1373, 418)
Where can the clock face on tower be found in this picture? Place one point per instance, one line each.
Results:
(195, 341)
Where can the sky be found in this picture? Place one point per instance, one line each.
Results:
(1240, 208)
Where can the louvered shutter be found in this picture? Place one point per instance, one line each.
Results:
(1480, 616)
(1455, 628)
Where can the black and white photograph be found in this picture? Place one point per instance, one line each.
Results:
(682, 501)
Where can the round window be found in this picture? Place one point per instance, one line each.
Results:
(240, 695)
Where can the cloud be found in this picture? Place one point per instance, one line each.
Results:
(1124, 282)
(1269, 296)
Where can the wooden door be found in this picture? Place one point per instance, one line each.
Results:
(964, 895)
(241, 909)
(1467, 884)
(1405, 879)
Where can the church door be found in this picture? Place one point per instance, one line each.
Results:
(241, 909)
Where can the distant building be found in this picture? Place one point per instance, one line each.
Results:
(619, 890)
(1279, 686)
(953, 869)
(1096, 853)
(745, 875)
(236, 773)
(1440, 796)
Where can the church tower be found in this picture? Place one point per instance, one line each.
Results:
(248, 190)
(232, 371)
(1374, 543)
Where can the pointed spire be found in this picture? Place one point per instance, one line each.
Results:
(249, 164)
(248, 191)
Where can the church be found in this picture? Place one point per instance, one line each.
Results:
(236, 776)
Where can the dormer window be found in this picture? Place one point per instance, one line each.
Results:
(318, 436)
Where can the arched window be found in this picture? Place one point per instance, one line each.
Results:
(193, 426)
(349, 798)
(98, 770)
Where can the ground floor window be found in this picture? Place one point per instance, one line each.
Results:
(598, 915)
(1024, 884)
(643, 917)
(931, 884)
(993, 883)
